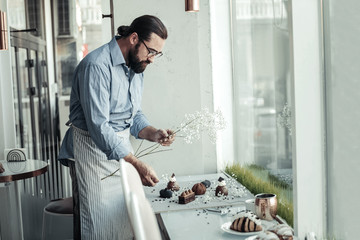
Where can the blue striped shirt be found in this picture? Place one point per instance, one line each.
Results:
(105, 98)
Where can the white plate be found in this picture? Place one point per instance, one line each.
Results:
(251, 238)
(226, 228)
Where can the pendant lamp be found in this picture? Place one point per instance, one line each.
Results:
(3, 31)
(192, 5)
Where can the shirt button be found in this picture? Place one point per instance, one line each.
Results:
(133, 100)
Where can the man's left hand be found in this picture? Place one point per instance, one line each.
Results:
(164, 137)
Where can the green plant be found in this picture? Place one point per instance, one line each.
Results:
(258, 180)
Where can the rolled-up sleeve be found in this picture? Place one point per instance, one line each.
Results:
(94, 85)
(140, 122)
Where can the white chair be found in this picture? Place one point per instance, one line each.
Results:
(58, 220)
(130, 181)
(141, 214)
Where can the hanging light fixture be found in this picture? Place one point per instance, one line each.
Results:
(192, 5)
(3, 31)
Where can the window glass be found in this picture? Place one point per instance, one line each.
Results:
(79, 30)
(262, 84)
(17, 18)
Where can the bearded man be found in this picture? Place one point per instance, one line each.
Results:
(104, 110)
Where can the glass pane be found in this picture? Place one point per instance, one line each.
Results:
(262, 84)
(25, 101)
(17, 14)
(37, 123)
(76, 37)
(16, 99)
(35, 16)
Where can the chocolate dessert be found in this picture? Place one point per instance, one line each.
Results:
(206, 183)
(186, 197)
(221, 189)
(172, 185)
(199, 189)
(166, 193)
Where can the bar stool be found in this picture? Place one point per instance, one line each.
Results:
(58, 220)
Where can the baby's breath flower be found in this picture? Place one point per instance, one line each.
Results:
(191, 128)
(202, 121)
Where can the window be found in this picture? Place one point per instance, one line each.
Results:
(262, 88)
(79, 30)
(262, 84)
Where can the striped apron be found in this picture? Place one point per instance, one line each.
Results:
(103, 213)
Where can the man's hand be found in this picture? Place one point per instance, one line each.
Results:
(164, 137)
(147, 174)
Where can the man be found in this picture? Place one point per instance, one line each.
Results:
(104, 110)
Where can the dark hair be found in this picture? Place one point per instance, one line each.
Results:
(144, 26)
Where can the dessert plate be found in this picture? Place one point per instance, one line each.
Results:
(251, 238)
(226, 228)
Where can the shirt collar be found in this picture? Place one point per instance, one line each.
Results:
(115, 51)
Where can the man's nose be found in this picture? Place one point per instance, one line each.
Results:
(151, 59)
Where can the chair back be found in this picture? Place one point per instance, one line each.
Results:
(141, 215)
(145, 224)
(131, 181)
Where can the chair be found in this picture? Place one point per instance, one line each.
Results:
(142, 216)
(58, 220)
(131, 182)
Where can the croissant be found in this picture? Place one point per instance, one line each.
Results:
(245, 224)
(284, 231)
(267, 236)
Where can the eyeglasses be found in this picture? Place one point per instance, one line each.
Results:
(152, 52)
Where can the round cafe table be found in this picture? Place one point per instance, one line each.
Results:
(22, 170)
(11, 214)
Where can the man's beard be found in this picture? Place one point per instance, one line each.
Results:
(134, 62)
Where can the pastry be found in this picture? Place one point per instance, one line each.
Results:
(221, 189)
(172, 185)
(199, 189)
(166, 193)
(284, 231)
(267, 236)
(246, 222)
(186, 197)
(206, 183)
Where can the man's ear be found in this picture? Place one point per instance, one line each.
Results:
(134, 38)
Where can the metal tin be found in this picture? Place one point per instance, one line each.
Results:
(266, 206)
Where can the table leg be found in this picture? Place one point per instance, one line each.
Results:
(10, 212)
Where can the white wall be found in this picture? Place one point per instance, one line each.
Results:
(343, 84)
(222, 70)
(7, 117)
(178, 83)
(308, 142)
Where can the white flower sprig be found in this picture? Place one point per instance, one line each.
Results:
(191, 129)
(202, 121)
(284, 118)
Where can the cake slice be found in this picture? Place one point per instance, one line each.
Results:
(186, 197)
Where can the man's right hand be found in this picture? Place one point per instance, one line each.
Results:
(147, 174)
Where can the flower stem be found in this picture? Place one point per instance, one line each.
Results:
(145, 154)
(112, 174)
